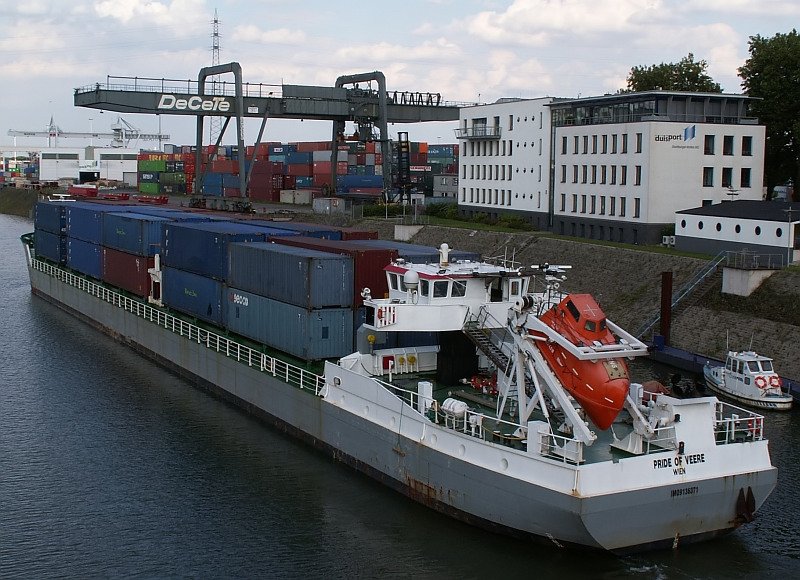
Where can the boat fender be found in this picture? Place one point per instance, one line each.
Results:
(761, 382)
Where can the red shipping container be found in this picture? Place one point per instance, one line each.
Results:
(225, 166)
(341, 168)
(299, 169)
(370, 148)
(378, 159)
(353, 234)
(231, 192)
(361, 158)
(323, 167)
(321, 180)
(368, 263)
(127, 271)
(289, 182)
(314, 146)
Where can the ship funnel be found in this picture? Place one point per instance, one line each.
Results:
(444, 256)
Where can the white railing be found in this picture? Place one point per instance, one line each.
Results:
(288, 373)
(734, 424)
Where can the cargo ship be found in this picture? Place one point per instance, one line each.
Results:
(427, 369)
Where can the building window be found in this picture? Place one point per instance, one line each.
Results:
(583, 203)
(683, 224)
(613, 174)
(778, 232)
(574, 174)
(563, 202)
(727, 145)
(612, 210)
(738, 229)
(511, 122)
(744, 180)
(602, 205)
(624, 143)
(638, 142)
(623, 177)
(621, 207)
(602, 174)
(585, 144)
(594, 143)
(593, 206)
(719, 227)
(638, 175)
(758, 230)
(700, 225)
(594, 173)
(614, 143)
(575, 144)
(637, 206)
(604, 144)
(747, 146)
(584, 173)
(708, 177)
(727, 176)
(564, 145)
(708, 148)
(574, 202)
(563, 174)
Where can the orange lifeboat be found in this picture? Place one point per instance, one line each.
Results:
(600, 386)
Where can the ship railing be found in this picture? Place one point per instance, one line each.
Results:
(733, 424)
(263, 362)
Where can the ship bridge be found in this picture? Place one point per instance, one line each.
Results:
(352, 98)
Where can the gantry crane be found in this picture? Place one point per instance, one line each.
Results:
(122, 134)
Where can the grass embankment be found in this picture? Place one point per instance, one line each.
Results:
(17, 201)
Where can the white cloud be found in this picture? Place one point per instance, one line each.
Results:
(252, 33)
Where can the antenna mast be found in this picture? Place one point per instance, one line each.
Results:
(216, 85)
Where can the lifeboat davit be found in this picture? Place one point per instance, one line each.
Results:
(601, 385)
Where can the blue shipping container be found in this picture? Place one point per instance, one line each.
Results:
(51, 246)
(299, 276)
(299, 228)
(306, 334)
(50, 216)
(134, 233)
(300, 157)
(85, 257)
(419, 254)
(193, 294)
(203, 247)
(85, 219)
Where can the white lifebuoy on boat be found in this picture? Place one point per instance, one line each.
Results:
(761, 382)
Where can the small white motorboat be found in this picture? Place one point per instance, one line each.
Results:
(749, 379)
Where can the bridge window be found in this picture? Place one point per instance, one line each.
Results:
(459, 288)
(440, 288)
(393, 281)
(424, 287)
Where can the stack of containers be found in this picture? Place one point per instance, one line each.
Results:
(368, 262)
(266, 181)
(443, 159)
(196, 263)
(84, 228)
(291, 298)
(50, 225)
(300, 229)
(130, 242)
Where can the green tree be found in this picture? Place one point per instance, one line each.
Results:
(772, 75)
(685, 75)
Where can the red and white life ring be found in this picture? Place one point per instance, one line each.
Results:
(775, 381)
(380, 313)
(761, 382)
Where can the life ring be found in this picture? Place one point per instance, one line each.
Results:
(380, 313)
(754, 428)
(775, 381)
(761, 382)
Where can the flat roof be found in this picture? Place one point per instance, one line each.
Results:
(771, 211)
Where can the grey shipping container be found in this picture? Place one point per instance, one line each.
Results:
(306, 334)
(193, 294)
(299, 276)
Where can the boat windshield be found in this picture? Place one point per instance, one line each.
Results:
(766, 365)
(752, 366)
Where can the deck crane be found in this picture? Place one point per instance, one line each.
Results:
(121, 135)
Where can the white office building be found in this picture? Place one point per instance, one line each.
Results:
(615, 167)
(624, 164)
(504, 160)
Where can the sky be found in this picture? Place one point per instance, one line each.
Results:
(469, 51)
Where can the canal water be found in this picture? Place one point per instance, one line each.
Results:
(110, 466)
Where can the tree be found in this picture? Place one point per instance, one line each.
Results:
(686, 75)
(772, 75)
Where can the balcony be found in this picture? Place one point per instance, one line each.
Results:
(478, 132)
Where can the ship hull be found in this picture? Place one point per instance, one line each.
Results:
(361, 424)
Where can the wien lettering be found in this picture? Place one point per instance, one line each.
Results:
(196, 103)
(678, 462)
